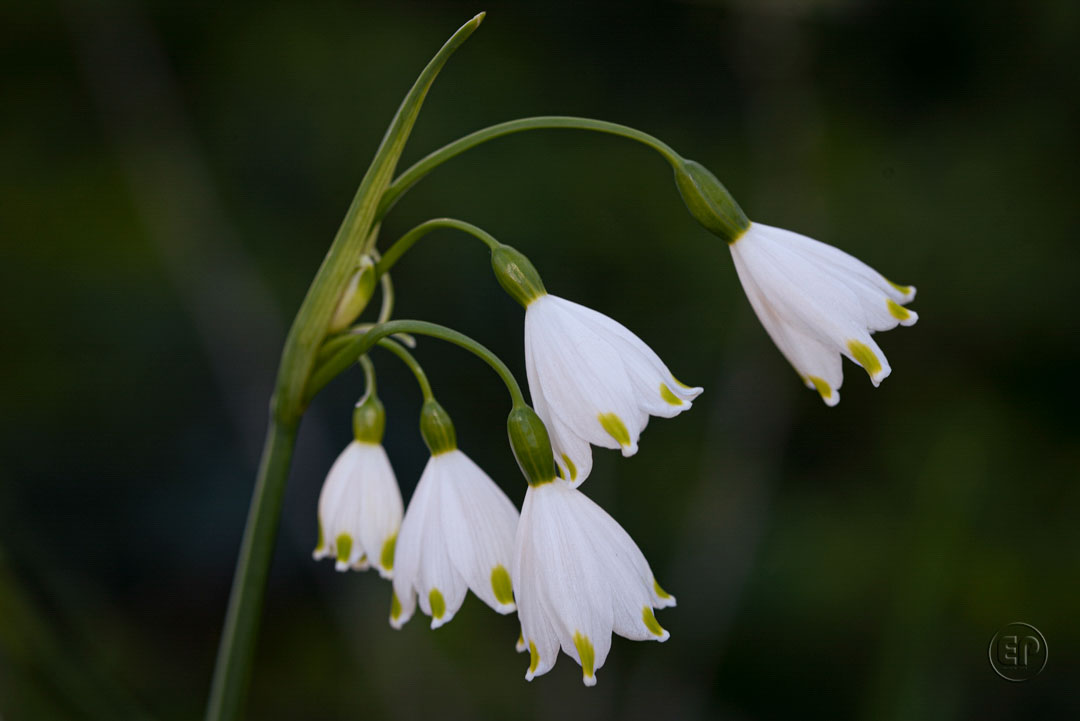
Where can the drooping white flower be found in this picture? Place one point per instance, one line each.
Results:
(578, 577)
(817, 302)
(360, 510)
(458, 534)
(592, 381)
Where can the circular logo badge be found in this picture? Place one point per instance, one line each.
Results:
(1018, 652)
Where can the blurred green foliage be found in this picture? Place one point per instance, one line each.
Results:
(172, 175)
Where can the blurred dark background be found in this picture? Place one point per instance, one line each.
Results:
(171, 175)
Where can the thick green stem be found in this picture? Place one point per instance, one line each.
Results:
(360, 344)
(233, 669)
(402, 244)
(544, 122)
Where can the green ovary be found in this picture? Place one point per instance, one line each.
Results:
(500, 584)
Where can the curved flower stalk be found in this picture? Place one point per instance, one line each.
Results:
(457, 534)
(818, 303)
(592, 381)
(578, 576)
(360, 504)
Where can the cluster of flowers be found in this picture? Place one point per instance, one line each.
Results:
(572, 573)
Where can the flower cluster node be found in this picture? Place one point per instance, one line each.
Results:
(709, 201)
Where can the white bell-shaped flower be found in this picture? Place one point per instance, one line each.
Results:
(592, 381)
(458, 534)
(578, 577)
(818, 303)
(360, 510)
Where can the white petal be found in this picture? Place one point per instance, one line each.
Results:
(410, 546)
(479, 523)
(537, 634)
(340, 515)
(381, 509)
(581, 375)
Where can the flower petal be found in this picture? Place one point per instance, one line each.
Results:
(479, 523)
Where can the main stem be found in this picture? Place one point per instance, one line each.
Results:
(233, 670)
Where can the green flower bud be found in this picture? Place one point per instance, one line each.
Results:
(369, 419)
(517, 275)
(356, 296)
(531, 445)
(709, 201)
(436, 428)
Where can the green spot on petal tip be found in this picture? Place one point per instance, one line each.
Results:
(500, 584)
(570, 467)
(615, 428)
(534, 657)
(586, 653)
(343, 544)
(897, 311)
(864, 357)
(386, 558)
(659, 591)
(438, 604)
(822, 387)
(669, 396)
(651, 623)
(395, 607)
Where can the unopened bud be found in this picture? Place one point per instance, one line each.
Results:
(709, 201)
(356, 296)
